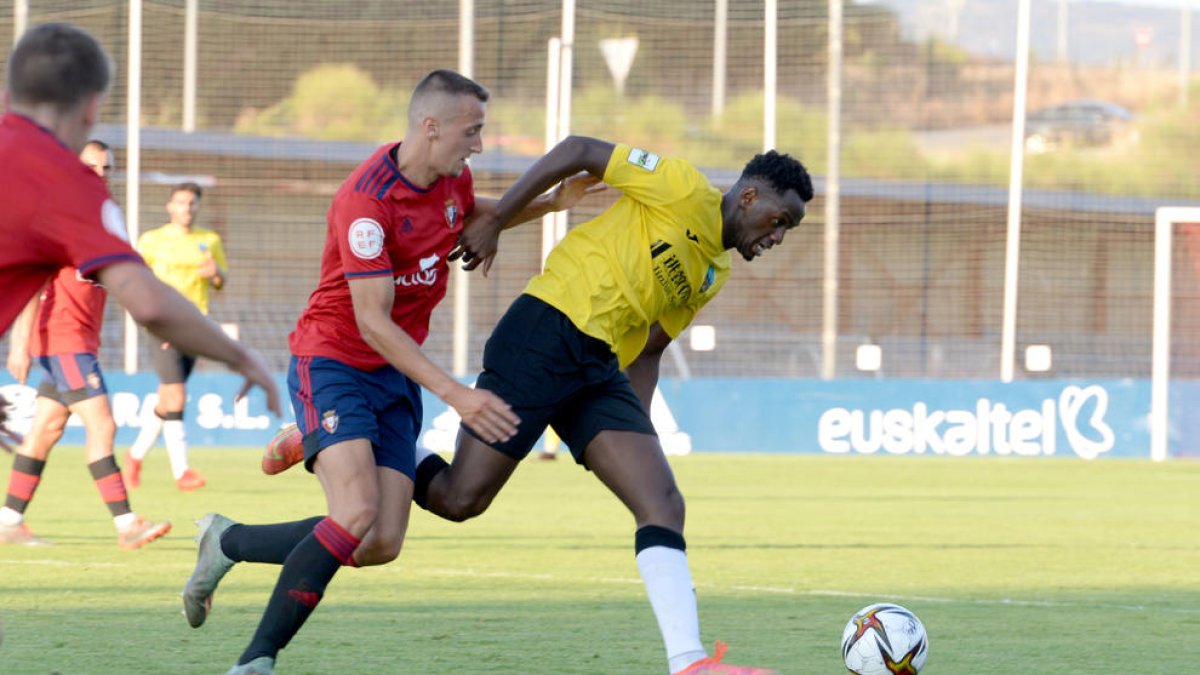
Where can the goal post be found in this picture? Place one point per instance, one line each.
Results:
(1166, 218)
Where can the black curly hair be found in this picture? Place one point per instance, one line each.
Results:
(783, 172)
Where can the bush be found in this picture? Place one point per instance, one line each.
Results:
(332, 102)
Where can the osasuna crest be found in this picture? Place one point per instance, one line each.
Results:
(329, 421)
(451, 213)
(93, 380)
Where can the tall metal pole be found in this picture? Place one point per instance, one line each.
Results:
(833, 200)
(769, 72)
(720, 45)
(565, 89)
(133, 159)
(462, 281)
(20, 18)
(553, 80)
(1012, 249)
(189, 65)
(1062, 32)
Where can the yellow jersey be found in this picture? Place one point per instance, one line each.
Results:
(175, 256)
(656, 255)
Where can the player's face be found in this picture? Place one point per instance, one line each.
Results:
(183, 207)
(764, 216)
(99, 161)
(460, 135)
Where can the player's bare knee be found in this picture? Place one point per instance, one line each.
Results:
(103, 427)
(357, 518)
(378, 552)
(464, 507)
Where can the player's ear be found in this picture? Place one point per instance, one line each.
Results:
(748, 195)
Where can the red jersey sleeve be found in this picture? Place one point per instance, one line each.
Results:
(88, 227)
(361, 229)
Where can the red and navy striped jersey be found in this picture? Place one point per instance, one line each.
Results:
(56, 213)
(380, 224)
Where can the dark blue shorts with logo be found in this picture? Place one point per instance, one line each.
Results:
(335, 402)
(71, 378)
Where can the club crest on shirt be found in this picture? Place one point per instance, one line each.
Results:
(93, 381)
(329, 421)
(451, 213)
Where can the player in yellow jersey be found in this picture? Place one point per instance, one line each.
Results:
(190, 259)
(580, 349)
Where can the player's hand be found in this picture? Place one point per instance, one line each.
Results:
(574, 188)
(254, 369)
(208, 268)
(19, 362)
(8, 438)
(478, 242)
(485, 413)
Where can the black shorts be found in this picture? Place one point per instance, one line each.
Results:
(553, 374)
(172, 365)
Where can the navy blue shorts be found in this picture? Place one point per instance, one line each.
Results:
(71, 378)
(335, 402)
(172, 365)
(553, 374)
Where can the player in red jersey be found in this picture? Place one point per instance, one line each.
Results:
(357, 368)
(57, 213)
(61, 329)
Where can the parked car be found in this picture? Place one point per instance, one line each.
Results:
(1085, 122)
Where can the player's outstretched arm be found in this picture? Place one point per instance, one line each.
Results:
(486, 414)
(19, 360)
(643, 372)
(481, 234)
(167, 314)
(572, 155)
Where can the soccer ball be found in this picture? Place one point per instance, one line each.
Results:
(884, 639)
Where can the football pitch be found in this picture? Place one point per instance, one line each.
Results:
(1014, 566)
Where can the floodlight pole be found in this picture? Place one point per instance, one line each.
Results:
(1012, 249)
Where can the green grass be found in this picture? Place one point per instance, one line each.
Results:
(1040, 566)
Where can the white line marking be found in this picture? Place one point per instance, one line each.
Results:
(817, 592)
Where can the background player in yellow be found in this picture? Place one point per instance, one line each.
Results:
(190, 259)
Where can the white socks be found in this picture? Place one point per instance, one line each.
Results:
(672, 595)
(175, 436)
(124, 520)
(152, 426)
(10, 517)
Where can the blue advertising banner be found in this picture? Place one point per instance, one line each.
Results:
(1041, 418)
